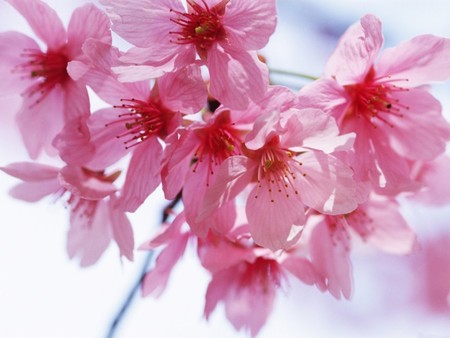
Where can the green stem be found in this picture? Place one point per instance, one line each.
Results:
(286, 72)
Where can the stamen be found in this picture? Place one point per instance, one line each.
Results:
(201, 26)
(143, 120)
(373, 99)
(278, 169)
(47, 69)
(217, 142)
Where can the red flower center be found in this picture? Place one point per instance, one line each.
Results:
(143, 120)
(48, 69)
(278, 169)
(218, 141)
(374, 99)
(201, 26)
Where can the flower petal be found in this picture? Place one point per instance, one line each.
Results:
(43, 20)
(271, 217)
(183, 90)
(87, 22)
(356, 51)
(326, 184)
(421, 60)
(236, 77)
(121, 230)
(330, 258)
(12, 45)
(155, 280)
(431, 130)
(88, 237)
(249, 23)
(34, 118)
(143, 175)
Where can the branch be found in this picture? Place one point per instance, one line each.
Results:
(148, 258)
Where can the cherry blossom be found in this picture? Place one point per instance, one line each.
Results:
(224, 34)
(90, 197)
(50, 96)
(383, 101)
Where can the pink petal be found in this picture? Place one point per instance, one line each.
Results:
(236, 77)
(326, 95)
(314, 129)
(34, 191)
(266, 126)
(301, 268)
(166, 233)
(176, 161)
(143, 175)
(390, 173)
(184, 90)
(43, 20)
(76, 100)
(87, 237)
(140, 73)
(246, 306)
(389, 230)
(217, 254)
(277, 98)
(217, 287)
(12, 45)
(421, 60)
(98, 75)
(330, 258)
(31, 172)
(77, 70)
(108, 148)
(73, 143)
(194, 191)
(121, 230)
(233, 176)
(87, 22)
(356, 51)
(155, 280)
(250, 23)
(431, 130)
(144, 23)
(34, 118)
(39, 180)
(326, 184)
(272, 218)
(83, 184)
(166, 59)
(436, 186)
(250, 309)
(224, 219)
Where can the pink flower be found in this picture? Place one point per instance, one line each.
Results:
(191, 160)
(224, 34)
(50, 96)
(385, 103)
(137, 122)
(377, 222)
(246, 278)
(91, 198)
(287, 167)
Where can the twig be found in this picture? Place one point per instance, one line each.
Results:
(133, 291)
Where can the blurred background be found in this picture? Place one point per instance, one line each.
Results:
(43, 294)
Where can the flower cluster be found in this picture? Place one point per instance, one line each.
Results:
(274, 183)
